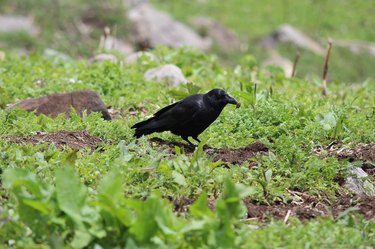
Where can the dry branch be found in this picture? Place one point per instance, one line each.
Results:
(325, 72)
(295, 63)
(287, 216)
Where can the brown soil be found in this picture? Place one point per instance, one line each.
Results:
(72, 139)
(227, 155)
(307, 207)
(370, 170)
(303, 207)
(363, 152)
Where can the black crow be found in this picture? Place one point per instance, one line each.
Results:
(188, 117)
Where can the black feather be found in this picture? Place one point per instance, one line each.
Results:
(188, 117)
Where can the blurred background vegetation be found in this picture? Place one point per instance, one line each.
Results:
(61, 27)
(61, 24)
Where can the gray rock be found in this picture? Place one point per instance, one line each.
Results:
(286, 33)
(133, 3)
(357, 46)
(276, 59)
(225, 39)
(58, 103)
(113, 43)
(2, 55)
(358, 183)
(152, 27)
(11, 23)
(103, 57)
(55, 55)
(169, 74)
(135, 57)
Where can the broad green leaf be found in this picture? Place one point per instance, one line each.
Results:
(164, 226)
(328, 120)
(192, 88)
(21, 177)
(268, 176)
(179, 178)
(111, 198)
(153, 216)
(200, 207)
(38, 205)
(125, 156)
(35, 206)
(230, 204)
(195, 225)
(111, 186)
(144, 226)
(70, 192)
(225, 236)
(130, 244)
(81, 239)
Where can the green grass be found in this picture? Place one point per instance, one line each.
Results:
(341, 19)
(289, 115)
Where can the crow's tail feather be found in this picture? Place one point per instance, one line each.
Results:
(140, 124)
(142, 132)
(144, 128)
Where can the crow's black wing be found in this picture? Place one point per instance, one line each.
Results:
(180, 112)
(172, 117)
(157, 114)
(163, 110)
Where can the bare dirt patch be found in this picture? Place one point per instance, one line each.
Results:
(306, 207)
(61, 139)
(363, 152)
(303, 207)
(228, 155)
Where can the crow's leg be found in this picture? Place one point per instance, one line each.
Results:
(196, 139)
(187, 140)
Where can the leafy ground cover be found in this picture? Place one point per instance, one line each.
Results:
(157, 193)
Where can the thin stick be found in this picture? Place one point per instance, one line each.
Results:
(325, 72)
(287, 216)
(295, 63)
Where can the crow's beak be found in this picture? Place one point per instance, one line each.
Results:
(231, 100)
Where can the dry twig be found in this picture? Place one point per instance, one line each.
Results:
(325, 72)
(287, 216)
(295, 63)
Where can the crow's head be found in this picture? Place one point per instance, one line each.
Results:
(220, 98)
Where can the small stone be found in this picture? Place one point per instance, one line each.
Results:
(103, 57)
(11, 23)
(135, 57)
(113, 43)
(277, 60)
(2, 55)
(358, 183)
(169, 74)
(55, 55)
